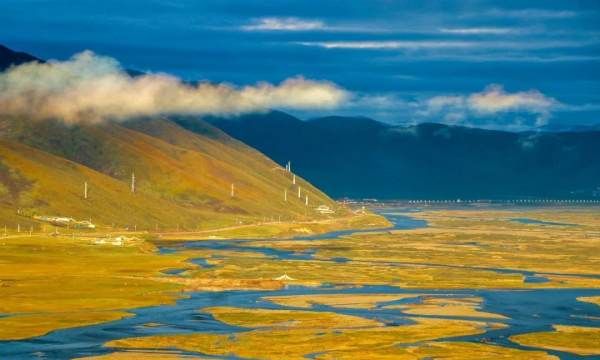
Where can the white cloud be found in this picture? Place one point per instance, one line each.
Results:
(531, 14)
(481, 31)
(494, 99)
(438, 103)
(284, 24)
(491, 108)
(447, 44)
(375, 101)
(94, 88)
(390, 44)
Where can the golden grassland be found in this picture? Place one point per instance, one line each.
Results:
(315, 273)
(434, 350)
(142, 355)
(267, 318)
(282, 229)
(293, 334)
(440, 350)
(354, 301)
(574, 339)
(586, 217)
(461, 249)
(278, 334)
(49, 283)
(469, 307)
(590, 299)
(101, 282)
(183, 179)
(464, 307)
(98, 283)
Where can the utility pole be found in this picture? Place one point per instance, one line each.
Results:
(299, 189)
(85, 190)
(294, 179)
(232, 190)
(306, 200)
(285, 195)
(133, 182)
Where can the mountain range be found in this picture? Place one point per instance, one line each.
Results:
(354, 157)
(10, 57)
(358, 157)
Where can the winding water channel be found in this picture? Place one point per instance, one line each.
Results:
(526, 310)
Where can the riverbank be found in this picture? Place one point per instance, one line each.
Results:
(279, 229)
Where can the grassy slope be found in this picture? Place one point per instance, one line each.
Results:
(183, 178)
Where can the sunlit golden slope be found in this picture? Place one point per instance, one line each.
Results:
(182, 178)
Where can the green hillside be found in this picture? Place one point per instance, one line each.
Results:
(183, 178)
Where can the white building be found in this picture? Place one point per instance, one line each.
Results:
(324, 209)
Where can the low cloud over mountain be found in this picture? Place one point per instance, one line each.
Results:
(94, 88)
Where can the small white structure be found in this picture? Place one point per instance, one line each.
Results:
(133, 182)
(85, 224)
(285, 277)
(324, 209)
(56, 220)
(118, 241)
(362, 210)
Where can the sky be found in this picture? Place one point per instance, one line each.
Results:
(509, 65)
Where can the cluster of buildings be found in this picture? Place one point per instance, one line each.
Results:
(66, 222)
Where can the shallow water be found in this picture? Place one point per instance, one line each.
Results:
(539, 222)
(527, 310)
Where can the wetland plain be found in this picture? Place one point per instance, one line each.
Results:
(452, 283)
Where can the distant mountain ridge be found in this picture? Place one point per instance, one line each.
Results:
(362, 158)
(10, 57)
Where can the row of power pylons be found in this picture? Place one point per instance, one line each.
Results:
(131, 186)
(288, 169)
(232, 189)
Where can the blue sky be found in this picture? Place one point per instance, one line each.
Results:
(498, 64)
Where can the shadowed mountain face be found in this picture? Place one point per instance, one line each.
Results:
(9, 57)
(362, 158)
